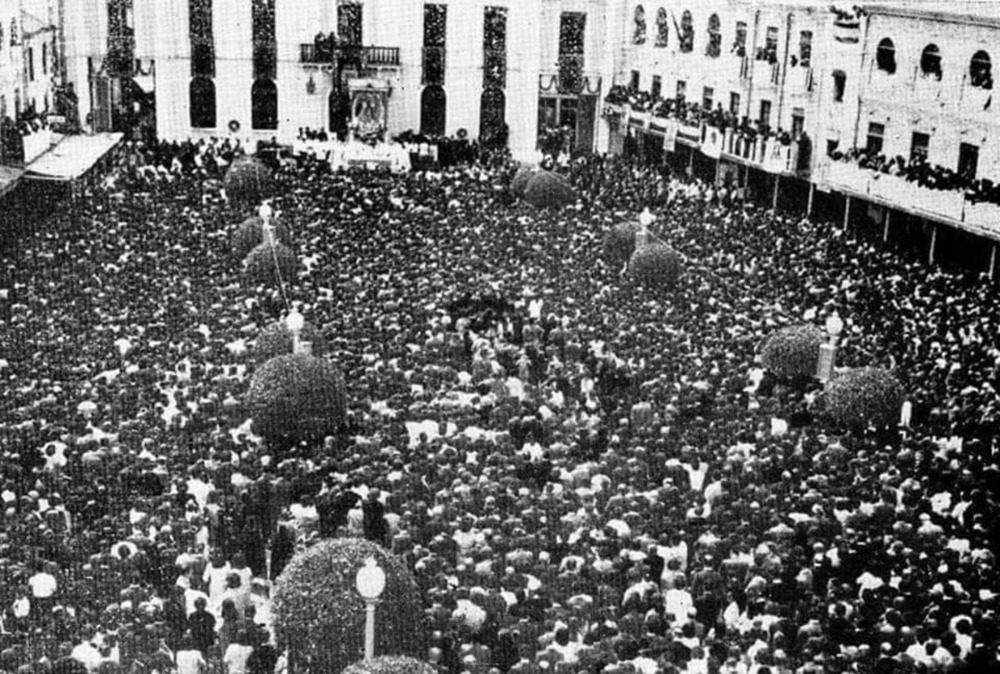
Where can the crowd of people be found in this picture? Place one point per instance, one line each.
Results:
(918, 170)
(583, 476)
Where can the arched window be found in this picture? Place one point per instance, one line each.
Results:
(264, 105)
(433, 106)
(687, 32)
(930, 61)
(662, 28)
(201, 95)
(493, 117)
(714, 46)
(885, 56)
(981, 71)
(639, 31)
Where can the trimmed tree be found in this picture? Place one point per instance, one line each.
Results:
(391, 664)
(266, 265)
(294, 398)
(548, 190)
(250, 233)
(619, 242)
(248, 182)
(864, 397)
(656, 266)
(519, 183)
(320, 617)
(793, 352)
(276, 340)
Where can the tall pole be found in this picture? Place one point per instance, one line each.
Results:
(885, 230)
(930, 253)
(993, 261)
(774, 199)
(847, 211)
(809, 202)
(369, 629)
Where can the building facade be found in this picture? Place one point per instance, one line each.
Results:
(268, 68)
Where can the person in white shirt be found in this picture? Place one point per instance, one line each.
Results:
(189, 659)
(237, 654)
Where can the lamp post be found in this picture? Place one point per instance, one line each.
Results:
(828, 351)
(370, 582)
(294, 322)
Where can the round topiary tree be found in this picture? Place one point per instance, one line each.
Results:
(320, 617)
(250, 233)
(864, 397)
(548, 190)
(792, 352)
(619, 242)
(248, 182)
(656, 265)
(267, 265)
(295, 397)
(519, 183)
(276, 340)
(391, 664)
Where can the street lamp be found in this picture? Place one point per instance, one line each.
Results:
(828, 351)
(295, 322)
(642, 236)
(370, 583)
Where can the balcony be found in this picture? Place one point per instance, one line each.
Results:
(366, 57)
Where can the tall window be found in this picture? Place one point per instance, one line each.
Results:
(740, 39)
(264, 93)
(930, 61)
(734, 103)
(919, 146)
(45, 58)
(656, 87)
(572, 30)
(495, 47)
(201, 94)
(764, 120)
(687, 32)
(885, 56)
(639, 27)
(981, 71)
(968, 160)
(265, 51)
(798, 122)
(264, 105)
(682, 87)
(769, 52)
(121, 38)
(707, 98)
(435, 35)
(633, 80)
(662, 28)
(492, 117)
(839, 85)
(433, 106)
(805, 48)
(714, 46)
(30, 58)
(876, 136)
(349, 23)
(202, 39)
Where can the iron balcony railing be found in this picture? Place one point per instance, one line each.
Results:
(371, 56)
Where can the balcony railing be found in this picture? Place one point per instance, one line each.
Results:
(366, 56)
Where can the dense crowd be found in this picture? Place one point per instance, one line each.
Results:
(584, 477)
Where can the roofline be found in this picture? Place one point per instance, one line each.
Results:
(915, 12)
